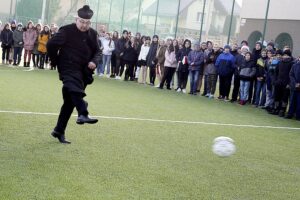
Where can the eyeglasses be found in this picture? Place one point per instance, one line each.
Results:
(82, 21)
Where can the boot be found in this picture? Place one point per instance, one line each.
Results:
(25, 64)
(28, 64)
(61, 137)
(86, 119)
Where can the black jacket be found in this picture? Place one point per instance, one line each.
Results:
(261, 68)
(282, 72)
(179, 57)
(151, 57)
(6, 38)
(130, 55)
(71, 50)
(295, 75)
(120, 46)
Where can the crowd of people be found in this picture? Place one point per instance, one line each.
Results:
(266, 77)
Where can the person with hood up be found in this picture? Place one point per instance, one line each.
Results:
(29, 38)
(256, 54)
(18, 44)
(247, 72)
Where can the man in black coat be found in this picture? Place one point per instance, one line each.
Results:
(75, 51)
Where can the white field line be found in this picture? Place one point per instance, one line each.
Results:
(160, 120)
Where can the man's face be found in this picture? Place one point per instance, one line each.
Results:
(257, 47)
(203, 46)
(234, 47)
(83, 24)
(125, 35)
(196, 47)
(226, 50)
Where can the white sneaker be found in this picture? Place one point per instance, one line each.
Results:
(211, 96)
(101, 74)
(184, 91)
(107, 75)
(118, 78)
(178, 90)
(157, 86)
(207, 95)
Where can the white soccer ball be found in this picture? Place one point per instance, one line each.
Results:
(223, 146)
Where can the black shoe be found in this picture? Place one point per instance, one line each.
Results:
(281, 113)
(203, 94)
(168, 88)
(61, 137)
(288, 117)
(86, 119)
(232, 100)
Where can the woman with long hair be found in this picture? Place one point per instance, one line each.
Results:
(115, 37)
(42, 42)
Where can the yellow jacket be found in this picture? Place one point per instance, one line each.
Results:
(43, 39)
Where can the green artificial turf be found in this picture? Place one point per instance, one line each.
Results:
(132, 159)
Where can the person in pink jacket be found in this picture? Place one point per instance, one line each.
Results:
(170, 65)
(29, 38)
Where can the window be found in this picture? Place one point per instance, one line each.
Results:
(199, 17)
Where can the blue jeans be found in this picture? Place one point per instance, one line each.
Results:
(260, 88)
(17, 54)
(244, 90)
(99, 69)
(106, 63)
(294, 104)
(194, 75)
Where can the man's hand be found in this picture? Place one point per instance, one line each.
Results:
(297, 85)
(92, 65)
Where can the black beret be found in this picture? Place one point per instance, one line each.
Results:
(85, 12)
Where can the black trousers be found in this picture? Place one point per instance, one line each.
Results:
(113, 64)
(129, 72)
(36, 60)
(182, 79)
(281, 97)
(42, 60)
(71, 100)
(236, 87)
(119, 66)
(225, 84)
(168, 75)
(152, 74)
(5, 53)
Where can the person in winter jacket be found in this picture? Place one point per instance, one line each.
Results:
(281, 83)
(115, 38)
(294, 106)
(108, 47)
(29, 38)
(18, 44)
(225, 65)
(142, 59)
(183, 65)
(246, 73)
(212, 75)
(151, 61)
(160, 60)
(42, 42)
(261, 63)
(170, 65)
(239, 59)
(119, 49)
(195, 61)
(130, 58)
(256, 53)
(7, 42)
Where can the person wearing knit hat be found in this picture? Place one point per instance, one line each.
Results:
(270, 46)
(75, 51)
(18, 44)
(225, 65)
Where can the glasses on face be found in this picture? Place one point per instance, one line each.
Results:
(86, 22)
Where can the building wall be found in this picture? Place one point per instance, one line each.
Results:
(279, 9)
(274, 28)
